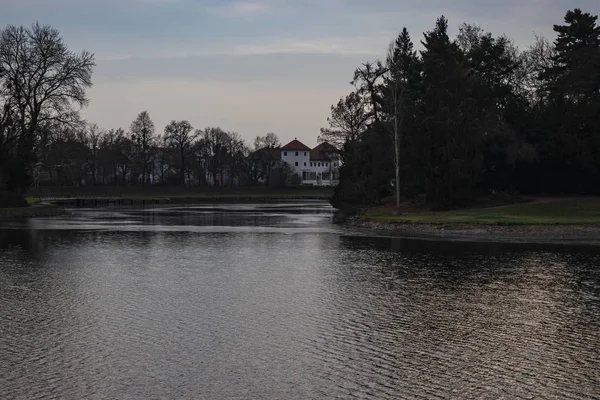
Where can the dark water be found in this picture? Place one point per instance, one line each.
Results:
(275, 302)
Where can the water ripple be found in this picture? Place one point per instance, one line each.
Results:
(163, 306)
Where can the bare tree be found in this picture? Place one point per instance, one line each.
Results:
(215, 151)
(469, 36)
(236, 151)
(111, 153)
(200, 158)
(367, 79)
(288, 175)
(252, 164)
(347, 121)
(179, 135)
(535, 60)
(164, 158)
(268, 147)
(90, 137)
(144, 139)
(41, 80)
(125, 152)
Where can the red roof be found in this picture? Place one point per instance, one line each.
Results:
(323, 152)
(296, 145)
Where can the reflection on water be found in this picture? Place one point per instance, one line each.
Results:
(275, 302)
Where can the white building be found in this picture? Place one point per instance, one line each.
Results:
(296, 155)
(318, 166)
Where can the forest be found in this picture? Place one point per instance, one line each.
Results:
(180, 155)
(472, 116)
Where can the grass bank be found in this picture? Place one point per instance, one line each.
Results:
(538, 211)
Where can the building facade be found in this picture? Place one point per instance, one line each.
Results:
(318, 166)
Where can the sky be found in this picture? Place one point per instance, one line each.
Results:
(253, 66)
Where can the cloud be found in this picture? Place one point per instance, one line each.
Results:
(249, 7)
(243, 8)
(366, 45)
(326, 45)
(155, 2)
(288, 59)
(315, 69)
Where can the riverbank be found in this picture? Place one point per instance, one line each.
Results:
(177, 195)
(556, 234)
(37, 210)
(539, 220)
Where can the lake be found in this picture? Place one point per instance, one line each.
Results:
(274, 301)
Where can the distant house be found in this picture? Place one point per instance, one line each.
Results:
(318, 166)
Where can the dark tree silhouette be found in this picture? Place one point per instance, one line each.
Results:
(41, 81)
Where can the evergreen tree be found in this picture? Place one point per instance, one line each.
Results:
(401, 89)
(450, 143)
(571, 116)
(475, 114)
(493, 66)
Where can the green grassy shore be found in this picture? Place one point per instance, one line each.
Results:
(538, 211)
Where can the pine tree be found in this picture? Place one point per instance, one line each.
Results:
(576, 65)
(451, 139)
(572, 115)
(402, 84)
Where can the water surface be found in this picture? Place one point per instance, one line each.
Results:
(276, 302)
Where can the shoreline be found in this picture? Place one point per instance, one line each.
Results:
(57, 207)
(102, 202)
(526, 233)
(41, 210)
(225, 199)
(110, 198)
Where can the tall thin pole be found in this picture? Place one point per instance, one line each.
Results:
(397, 148)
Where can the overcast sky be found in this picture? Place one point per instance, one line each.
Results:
(253, 66)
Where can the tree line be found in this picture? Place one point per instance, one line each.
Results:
(44, 141)
(472, 115)
(181, 155)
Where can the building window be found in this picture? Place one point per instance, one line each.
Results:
(319, 164)
(285, 153)
(296, 163)
(304, 154)
(305, 164)
(296, 154)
